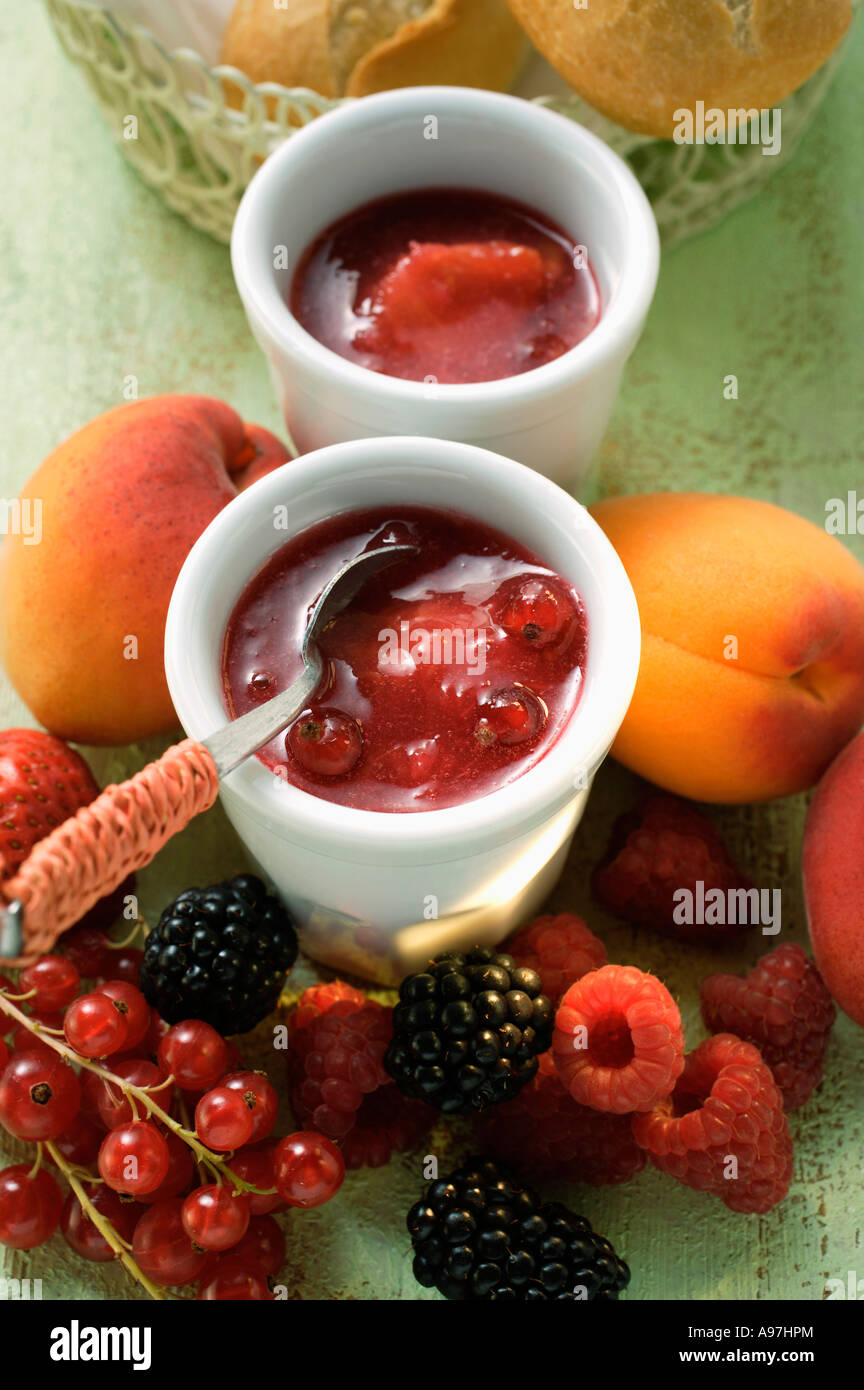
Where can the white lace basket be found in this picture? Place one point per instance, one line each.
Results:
(168, 112)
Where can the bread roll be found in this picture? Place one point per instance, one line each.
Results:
(638, 61)
(353, 47)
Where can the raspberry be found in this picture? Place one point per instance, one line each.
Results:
(318, 1000)
(783, 1007)
(560, 948)
(338, 1084)
(723, 1130)
(661, 848)
(618, 1042)
(543, 1133)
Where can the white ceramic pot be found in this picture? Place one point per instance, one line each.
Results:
(377, 893)
(552, 418)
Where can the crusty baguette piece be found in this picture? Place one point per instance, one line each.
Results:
(638, 61)
(354, 47)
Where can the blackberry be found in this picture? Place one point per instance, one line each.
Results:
(480, 1234)
(219, 954)
(467, 1031)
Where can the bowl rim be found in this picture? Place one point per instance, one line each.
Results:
(620, 321)
(533, 797)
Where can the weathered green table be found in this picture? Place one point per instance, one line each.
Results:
(100, 282)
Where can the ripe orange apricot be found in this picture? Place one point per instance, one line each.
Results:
(752, 672)
(83, 597)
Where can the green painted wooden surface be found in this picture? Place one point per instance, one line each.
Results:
(100, 281)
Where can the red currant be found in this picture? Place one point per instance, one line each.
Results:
(4, 1054)
(309, 1169)
(134, 1007)
(262, 1247)
(509, 716)
(215, 1218)
(80, 1232)
(235, 1283)
(88, 949)
(538, 609)
(39, 1096)
(23, 1040)
(91, 1094)
(55, 980)
(223, 1119)
(134, 1158)
(30, 1208)
(194, 1054)
(95, 1026)
(124, 964)
(161, 1248)
(115, 1108)
(155, 1033)
(181, 1171)
(79, 1142)
(261, 1098)
(256, 1166)
(327, 743)
(6, 1023)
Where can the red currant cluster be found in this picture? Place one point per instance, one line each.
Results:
(104, 1089)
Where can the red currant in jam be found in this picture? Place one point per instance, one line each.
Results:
(134, 1158)
(161, 1248)
(55, 981)
(325, 742)
(261, 685)
(194, 1054)
(95, 1025)
(235, 1283)
(39, 1095)
(30, 1207)
(509, 716)
(80, 1232)
(215, 1218)
(133, 1006)
(309, 1169)
(539, 610)
(223, 1119)
(260, 1097)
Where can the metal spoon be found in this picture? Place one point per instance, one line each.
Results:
(244, 736)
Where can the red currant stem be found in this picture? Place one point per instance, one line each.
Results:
(184, 1113)
(151, 1090)
(127, 941)
(102, 1224)
(134, 1093)
(19, 998)
(38, 1163)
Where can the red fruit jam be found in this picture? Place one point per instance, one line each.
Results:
(451, 673)
(446, 285)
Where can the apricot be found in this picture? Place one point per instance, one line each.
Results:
(83, 606)
(752, 671)
(833, 871)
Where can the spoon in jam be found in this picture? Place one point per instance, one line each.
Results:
(244, 736)
(83, 859)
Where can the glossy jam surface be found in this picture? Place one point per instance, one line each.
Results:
(446, 285)
(449, 675)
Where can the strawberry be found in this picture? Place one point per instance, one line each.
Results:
(42, 782)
